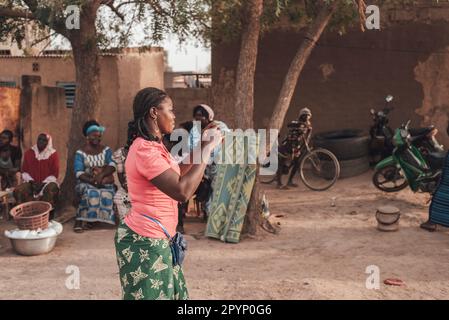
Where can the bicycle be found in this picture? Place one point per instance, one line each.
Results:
(318, 168)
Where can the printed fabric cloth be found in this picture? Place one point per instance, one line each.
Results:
(96, 204)
(146, 268)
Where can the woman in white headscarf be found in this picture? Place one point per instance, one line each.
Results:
(40, 171)
(204, 115)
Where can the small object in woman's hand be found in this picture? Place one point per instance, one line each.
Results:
(209, 126)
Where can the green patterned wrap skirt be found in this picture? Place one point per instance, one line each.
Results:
(146, 268)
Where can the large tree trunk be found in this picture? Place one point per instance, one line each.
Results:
(246, 68)
(297, 64)
(244, 91)
(285, 96)
(86, 59)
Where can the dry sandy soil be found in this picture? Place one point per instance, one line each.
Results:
(321, 253)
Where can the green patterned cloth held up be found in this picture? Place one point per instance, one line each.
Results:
(232, 187)
(146, 268)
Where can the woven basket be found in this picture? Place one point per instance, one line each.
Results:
(32, 215)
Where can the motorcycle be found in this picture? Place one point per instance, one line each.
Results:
(382, 146)
(381, 134)
(408, 166)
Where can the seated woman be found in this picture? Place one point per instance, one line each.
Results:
(95, 188)
(121, 198)
(10, 158)
(40, 171)
(8, 172)
(16, 154)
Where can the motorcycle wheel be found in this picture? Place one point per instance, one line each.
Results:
(389, 179)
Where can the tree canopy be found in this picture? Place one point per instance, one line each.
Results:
(119, 23)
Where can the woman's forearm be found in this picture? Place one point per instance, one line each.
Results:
(107, 171)
(185, 168)
(189, 182)
(182, 188)
(86, 178)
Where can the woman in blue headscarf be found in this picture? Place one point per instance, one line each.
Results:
(94, 168)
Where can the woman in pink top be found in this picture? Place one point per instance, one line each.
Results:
(156, 183)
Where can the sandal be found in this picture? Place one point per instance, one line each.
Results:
(429, 226)
(78, 227)
(88, 225)
(394, 282)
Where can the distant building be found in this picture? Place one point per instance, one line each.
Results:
(31, 44)
(187, 80)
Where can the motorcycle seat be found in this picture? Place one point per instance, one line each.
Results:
(415, 132)
(437, 159)
(438, 155)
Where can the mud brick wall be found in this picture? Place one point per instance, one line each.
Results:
(185, 99)
(348, 75)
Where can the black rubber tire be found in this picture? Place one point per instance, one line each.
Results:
(354, 167)
(376, 183)
(345, 144)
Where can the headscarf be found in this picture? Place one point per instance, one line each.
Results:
(208, 110)
(95, 128)
(92, 126)
(305, 111)
(47, 152)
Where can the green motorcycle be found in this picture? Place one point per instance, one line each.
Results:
(407, 166)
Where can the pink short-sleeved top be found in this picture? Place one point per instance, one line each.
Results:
(145, 161)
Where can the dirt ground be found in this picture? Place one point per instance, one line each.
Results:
(322, 252)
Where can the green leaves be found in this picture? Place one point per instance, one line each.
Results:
(119, 23)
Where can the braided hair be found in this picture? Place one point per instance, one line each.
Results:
(145, 100)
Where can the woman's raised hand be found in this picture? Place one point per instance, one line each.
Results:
(211, 136)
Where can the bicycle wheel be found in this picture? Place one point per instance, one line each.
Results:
(319, 169)
(266, 174)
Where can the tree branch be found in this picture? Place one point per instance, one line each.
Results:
(110, 4)
(126, 3)
(32, 14)
(16, 13)
(43, 39)
(155, 5)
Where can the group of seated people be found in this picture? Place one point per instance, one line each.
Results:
(36, 178)
(98, 198)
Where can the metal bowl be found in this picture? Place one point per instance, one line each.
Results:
(33, 247)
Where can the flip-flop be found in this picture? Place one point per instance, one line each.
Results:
(78, 227)
(394, 282)
(429, 226)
